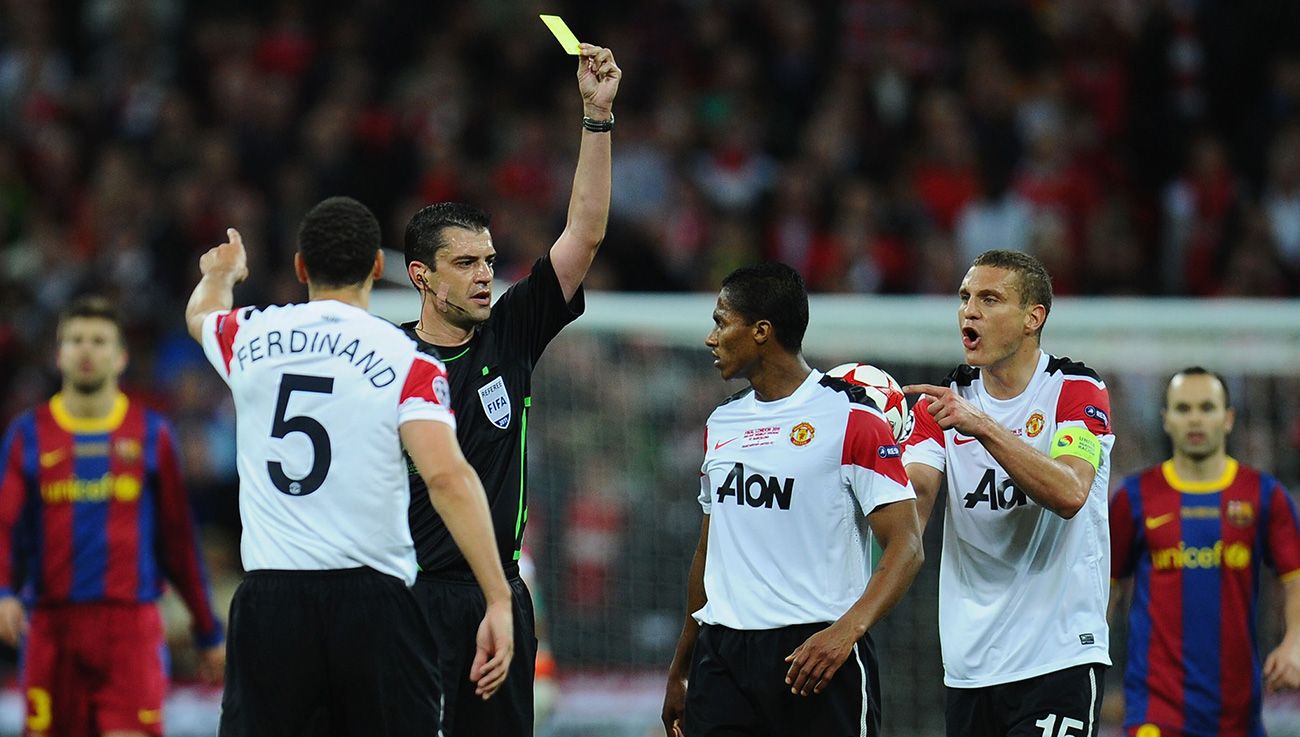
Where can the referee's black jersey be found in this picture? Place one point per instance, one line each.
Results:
(491, 390)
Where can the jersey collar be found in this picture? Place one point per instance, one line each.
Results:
(107, 423)
(1200, 487)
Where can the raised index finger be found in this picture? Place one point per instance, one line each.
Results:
(235, 238)
(930, 389)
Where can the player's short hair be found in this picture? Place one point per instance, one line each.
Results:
(426, 233)
(774, 292)
(94, 307)
(1035, 283)
(338, 239)
(1199, 371)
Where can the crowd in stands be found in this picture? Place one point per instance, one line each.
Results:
(1138, 147)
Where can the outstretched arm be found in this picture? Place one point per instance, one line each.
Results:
(222, 267)
(574, 250)
(1059, 484)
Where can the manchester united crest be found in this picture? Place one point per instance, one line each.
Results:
(1034, 425)
(802, 434)
(1240, 513)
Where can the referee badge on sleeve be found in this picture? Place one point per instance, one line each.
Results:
(496, 402)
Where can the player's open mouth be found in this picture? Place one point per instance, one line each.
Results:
(970, 338)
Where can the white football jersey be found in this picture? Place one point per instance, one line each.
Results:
(1022, 591)
(787, 485)
(320, 391)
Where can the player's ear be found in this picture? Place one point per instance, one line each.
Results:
(300, 267)
(377, 271)
(1229, 417)
(762, 331)
(1034, 319)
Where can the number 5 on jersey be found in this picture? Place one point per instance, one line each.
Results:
(282, 426)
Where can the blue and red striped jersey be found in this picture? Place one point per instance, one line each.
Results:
(95, 510)
(1195, 550)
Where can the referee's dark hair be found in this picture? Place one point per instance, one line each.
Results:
(338, 239)
(425, 234)
(93, 307)
(1198, 371)
(774, 292)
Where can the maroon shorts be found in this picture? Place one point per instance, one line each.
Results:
(92, 668)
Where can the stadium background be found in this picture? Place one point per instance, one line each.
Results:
(1144, 150)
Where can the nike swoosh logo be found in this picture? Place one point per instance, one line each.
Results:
(958, 440)
(51, 457)
(1154, 522)
(719, 445)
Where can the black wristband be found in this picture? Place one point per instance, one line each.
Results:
(598, 126)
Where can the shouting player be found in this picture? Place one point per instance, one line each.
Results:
(325, 636)
(1025, 440)
(1194, 533)
(93, 510)
(800, 472)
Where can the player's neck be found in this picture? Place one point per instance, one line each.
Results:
(434, 328)
(779, 378)
(1208, 468)
(1007, 378)
(90, 405)
(355, 296)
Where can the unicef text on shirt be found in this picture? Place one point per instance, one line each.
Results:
(274, 343)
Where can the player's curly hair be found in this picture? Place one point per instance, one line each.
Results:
(338, 239)
(426, 233)
(1035, 282)
(774, 292)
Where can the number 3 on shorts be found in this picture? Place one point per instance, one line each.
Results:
(39, 715)
(1048, 723)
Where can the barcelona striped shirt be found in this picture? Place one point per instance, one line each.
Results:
(1196, 550)
(94, 510)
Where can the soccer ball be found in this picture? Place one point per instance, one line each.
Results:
(883, 390)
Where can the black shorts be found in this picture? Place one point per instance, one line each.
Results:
(1064, 703)
(328, 653)
(737, 687)
(453, 605)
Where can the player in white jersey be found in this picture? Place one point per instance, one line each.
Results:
(325, 635)
(800, 471)
(1025, 441)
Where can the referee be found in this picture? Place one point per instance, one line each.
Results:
(490, 352)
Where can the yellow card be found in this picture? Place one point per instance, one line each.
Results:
(562, 33)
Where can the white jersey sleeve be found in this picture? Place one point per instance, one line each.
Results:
(218, 334)
(426, 394)
(872, 465)
(926, 443)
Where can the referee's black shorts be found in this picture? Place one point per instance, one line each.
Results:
(737, 687)
(453, 605)
(1064, 703)
(337, 653)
